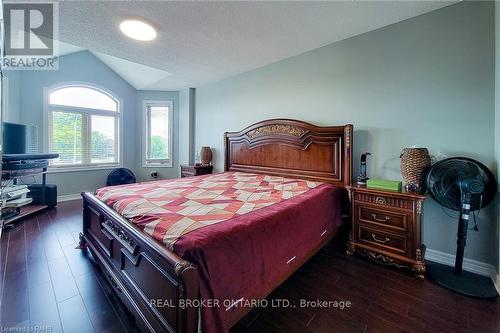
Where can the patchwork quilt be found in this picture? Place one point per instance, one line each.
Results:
(169, 209)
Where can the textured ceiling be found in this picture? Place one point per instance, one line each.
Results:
(202, 42)
(139, 76)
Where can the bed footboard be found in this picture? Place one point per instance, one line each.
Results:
(153, 282)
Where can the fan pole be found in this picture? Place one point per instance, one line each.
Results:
(463, 224)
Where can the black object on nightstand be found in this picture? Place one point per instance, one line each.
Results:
(195, 170)
(386, 227)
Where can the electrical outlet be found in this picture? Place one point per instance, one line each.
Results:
(154, 174)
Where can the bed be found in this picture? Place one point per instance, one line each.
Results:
(209, 247)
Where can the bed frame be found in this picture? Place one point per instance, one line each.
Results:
(144, 273)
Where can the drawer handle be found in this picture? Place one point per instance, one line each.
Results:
(114, 283)
(380, 200)
(385, 219)
(383, 241)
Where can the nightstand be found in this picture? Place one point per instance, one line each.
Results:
(195, 170)
(386, 227)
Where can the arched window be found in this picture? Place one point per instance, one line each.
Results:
(83, 127)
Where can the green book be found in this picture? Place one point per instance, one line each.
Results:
(384, 184)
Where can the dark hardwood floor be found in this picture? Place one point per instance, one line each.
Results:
(49, 284)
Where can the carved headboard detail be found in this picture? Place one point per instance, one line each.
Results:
(276, 129)
(292, 148)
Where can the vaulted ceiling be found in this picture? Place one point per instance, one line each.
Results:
(202, 42)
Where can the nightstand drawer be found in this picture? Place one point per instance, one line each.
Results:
(383, 217)
(187, 173)
(383, 240)
(195, 170)
(384, 200)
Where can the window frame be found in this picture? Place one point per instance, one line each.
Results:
(47, 126)
(146, 139)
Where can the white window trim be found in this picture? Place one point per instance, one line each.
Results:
(46, 123)
(165, 163)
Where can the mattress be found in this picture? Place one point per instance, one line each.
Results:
(245, 232)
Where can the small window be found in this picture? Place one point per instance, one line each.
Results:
(83, 127)
(158, 125)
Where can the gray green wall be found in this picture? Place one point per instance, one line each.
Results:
(26, 106)
(186, 126)
(11, 97)
(428, 80)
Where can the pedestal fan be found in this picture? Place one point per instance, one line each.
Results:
(464, 185)
(120, 176)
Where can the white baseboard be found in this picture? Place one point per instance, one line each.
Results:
(469, 265)
(68, 197)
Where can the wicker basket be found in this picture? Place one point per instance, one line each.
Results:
(414, 163)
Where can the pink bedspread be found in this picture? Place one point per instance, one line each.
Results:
(245, 232)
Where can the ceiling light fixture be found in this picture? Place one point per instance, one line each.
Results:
(138, 30)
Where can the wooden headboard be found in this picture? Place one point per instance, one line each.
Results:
(292, 148)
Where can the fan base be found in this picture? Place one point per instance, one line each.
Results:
(468, 284)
